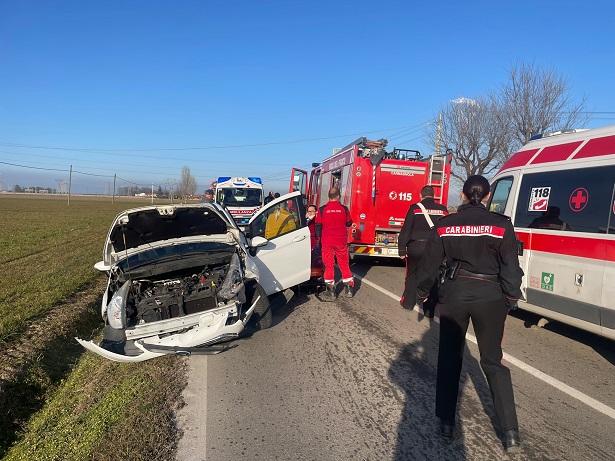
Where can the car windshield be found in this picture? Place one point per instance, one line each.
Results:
(240, 197)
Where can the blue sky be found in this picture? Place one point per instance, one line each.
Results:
(139, 89)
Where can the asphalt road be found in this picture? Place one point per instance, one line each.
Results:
(355, 380)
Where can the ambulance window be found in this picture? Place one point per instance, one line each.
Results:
(499, 194)
(577, 200)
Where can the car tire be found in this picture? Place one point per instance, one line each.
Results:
(262, 317)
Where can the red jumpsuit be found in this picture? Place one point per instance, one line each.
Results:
(332, 222)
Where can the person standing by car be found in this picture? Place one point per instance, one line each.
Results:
(482, 283)
(413, 238)
(209, 196)
(279, 222)
(311, 222)
(332, 223)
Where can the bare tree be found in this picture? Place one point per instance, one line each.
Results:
(187, 183)
(538, 100)
(171, 187)
(476, 132)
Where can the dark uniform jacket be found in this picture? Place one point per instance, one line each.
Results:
(485, 243)
(416, 226)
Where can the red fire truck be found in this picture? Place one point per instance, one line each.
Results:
(377, 187)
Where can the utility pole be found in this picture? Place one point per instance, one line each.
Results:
(439, 134)
(70, 182)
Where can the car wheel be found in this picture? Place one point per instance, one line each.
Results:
(262, 317)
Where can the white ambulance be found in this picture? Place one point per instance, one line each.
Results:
(242, 197)
(559, 192)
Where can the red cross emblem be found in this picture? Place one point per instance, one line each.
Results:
(578, 199)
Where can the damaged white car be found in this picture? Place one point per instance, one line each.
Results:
(183, 278)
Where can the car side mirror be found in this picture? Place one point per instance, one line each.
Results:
(101, 266)
(258, 242)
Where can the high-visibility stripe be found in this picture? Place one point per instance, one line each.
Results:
(363, 250)
(556, 153)
(569, 244)
(431, 212)
(597, 147)
(521, 158)
(471, 231)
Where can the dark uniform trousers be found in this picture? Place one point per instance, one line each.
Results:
(414, 253)
(488, 320)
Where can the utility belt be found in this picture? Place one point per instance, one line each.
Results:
(487, 277)
(452, 269)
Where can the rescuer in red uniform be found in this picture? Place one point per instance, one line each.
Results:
(311, 222)
(332, 222)
(482, 283)
(413, 239)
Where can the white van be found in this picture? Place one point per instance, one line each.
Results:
(559, 192)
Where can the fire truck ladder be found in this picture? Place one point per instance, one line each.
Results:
(437, 176)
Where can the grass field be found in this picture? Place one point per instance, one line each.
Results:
(48, 250)
(59, 402)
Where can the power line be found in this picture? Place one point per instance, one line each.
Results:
(32, 167)
(236, 146)
(76, 172)
(150, 157)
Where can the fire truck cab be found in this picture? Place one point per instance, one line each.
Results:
(559, 191)
(377, 187)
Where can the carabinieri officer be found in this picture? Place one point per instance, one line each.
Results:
(487, 284)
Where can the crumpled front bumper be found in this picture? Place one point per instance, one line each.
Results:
(211, 329)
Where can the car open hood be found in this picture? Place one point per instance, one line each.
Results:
(154, 226)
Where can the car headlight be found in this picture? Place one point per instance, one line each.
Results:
(233, 285)
(116, 309)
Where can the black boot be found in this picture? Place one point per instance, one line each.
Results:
(447, 428)
(512, 441)
(349, 290)
(329, 294)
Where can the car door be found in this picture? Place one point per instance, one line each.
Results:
(285, 260)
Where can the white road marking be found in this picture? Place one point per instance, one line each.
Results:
(580, 396)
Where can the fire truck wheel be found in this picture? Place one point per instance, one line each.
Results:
(262, 317)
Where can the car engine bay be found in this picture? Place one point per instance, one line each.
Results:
(183, 294)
